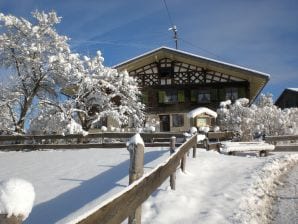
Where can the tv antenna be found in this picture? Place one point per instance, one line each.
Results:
(175, 37)
(173, 27)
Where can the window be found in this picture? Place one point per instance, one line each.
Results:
(177, 120)
(201, 122)
(204, 96)
(200, 96)
(165, 71)
(165, 81)
(231, 94)
(167, 96)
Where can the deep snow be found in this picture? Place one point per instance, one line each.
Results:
(216, 188)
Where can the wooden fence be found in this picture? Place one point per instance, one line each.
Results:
(292, 146)
(124, 204)
(127, 204)
(78, 141)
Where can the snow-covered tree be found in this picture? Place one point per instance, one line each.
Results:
(38, 59)
(103, 92)
(7, 124)
(127, 96)
(51, 118)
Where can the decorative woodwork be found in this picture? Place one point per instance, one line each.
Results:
(179, 73)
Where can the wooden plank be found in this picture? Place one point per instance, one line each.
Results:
(121, 206)
(92, 135)
(280, 138)
(19, 147)
(286, 148)
(214, 146)
(220, 135)
(31, 147)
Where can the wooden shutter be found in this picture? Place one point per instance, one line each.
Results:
(193, 95)
(161, 96)
(181, 97)
(145, 97)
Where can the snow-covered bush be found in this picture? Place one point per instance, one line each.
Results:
(236, 117)
(16, 197)
(263, 117)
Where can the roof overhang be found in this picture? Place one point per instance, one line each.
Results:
(257, 79)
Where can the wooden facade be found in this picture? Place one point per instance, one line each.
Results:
(174, 82)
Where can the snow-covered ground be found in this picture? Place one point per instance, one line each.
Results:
(216, 188)
(286, 204)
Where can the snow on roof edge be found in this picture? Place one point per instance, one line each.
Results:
(194, 55)
(293, 89)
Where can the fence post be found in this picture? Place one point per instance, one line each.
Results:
(183, 163)
(194, 150)
(173, 175)
(136, 171)
(10, 220)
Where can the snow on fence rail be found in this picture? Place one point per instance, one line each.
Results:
(36, 142)
(285, 147)
(125, 203)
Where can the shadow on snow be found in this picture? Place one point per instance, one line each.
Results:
(57, 208)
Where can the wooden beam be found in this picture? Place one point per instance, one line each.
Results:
(286, 148)
(93, 135)
(281, 138)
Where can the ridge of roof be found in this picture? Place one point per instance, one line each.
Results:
(193, 55)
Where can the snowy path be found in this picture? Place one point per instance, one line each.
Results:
(208, 193)
(286, 207)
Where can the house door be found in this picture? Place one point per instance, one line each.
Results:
(164, 122)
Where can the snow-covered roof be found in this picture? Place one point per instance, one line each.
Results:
(201, 110)
(293, 89)
(193, 55)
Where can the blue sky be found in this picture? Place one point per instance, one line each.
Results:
(258, 34)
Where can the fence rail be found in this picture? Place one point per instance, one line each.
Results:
(35, 142)
(289, 147)
(91, 135)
